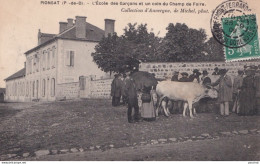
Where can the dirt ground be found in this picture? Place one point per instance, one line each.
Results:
(28, 127)
(238, 148)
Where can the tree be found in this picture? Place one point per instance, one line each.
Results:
(182, 43)
(215, 50)
(122, 54)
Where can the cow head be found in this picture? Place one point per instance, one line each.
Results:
(211, 92)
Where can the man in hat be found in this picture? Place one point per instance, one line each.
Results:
(205, 79)
(124, 97)
(225, 91)
(238, 80)
(116, 88)
(216, 71)
(132, 100)
(195, 76)
(257, 87)
(184, 77)
(175, 76)
(247, 99)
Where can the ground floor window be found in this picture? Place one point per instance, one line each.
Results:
(52, 87)
(43, 87)
(33, 89)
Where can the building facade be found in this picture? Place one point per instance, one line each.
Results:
(58, 60)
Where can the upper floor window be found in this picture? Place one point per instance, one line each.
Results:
(69, 61)
(44, 60)
(53, 58)
(48, 59)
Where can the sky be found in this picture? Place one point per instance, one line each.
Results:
(21, 20)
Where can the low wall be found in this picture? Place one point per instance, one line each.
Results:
(100, 88)
(161, 70)
(68, 90)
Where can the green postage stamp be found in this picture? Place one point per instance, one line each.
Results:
(234, 25)
(240, 37)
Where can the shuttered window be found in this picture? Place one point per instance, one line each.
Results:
(70, 58)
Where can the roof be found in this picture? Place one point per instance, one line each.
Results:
(18, 74)
(93, 34)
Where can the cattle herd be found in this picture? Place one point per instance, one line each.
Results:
(242, 93)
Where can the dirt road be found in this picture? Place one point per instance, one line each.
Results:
(235, 148)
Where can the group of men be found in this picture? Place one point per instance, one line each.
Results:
(229, 93)
(125, 87)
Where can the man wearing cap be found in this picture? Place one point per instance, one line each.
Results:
(238, 80)
(205, 79)
(184, 77)
(225, 91)
(132, 100)
(124, 98)
(257, 86)
(216, 71)
(195, 76)
(175, 76)
(247, 99)
(116, 88)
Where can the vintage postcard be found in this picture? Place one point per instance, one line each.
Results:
(129, 80)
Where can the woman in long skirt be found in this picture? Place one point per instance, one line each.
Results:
(247, 95)
(148, 110)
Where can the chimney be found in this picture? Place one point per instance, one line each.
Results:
(70, 23)
(109, 26)
(63, 26)
(80, 26)
(39, 36)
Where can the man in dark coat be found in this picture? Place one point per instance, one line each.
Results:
(116, 88)
(132, 100)
(184, 77)
(216, 71)
(195, 76)
(225, 91)
(205, 79)
(124, 97)
(175, 76)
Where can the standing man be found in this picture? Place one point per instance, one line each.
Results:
(205, 79)
(195, 77)
(131, 94)
(257, 86)
(116, 90)
(225, 91)
(124, 97)
(175, 76)
(216, 71)
(238, 80)
(184, 77)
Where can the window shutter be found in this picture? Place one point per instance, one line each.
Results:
(67, 60)
(72, 58)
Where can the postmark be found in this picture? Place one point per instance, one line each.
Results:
(234, 25)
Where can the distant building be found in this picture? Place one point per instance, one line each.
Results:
(58, 59)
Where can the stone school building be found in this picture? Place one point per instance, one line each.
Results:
(52, 68)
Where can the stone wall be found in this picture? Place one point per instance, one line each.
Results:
(161, 70)
(68, 90)
(100, 88)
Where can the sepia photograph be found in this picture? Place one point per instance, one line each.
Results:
(129, 80)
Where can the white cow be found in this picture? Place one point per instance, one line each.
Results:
(189, 92)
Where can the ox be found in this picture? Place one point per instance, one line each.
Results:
(189, 92)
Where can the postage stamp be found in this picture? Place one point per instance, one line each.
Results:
(234, 25)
